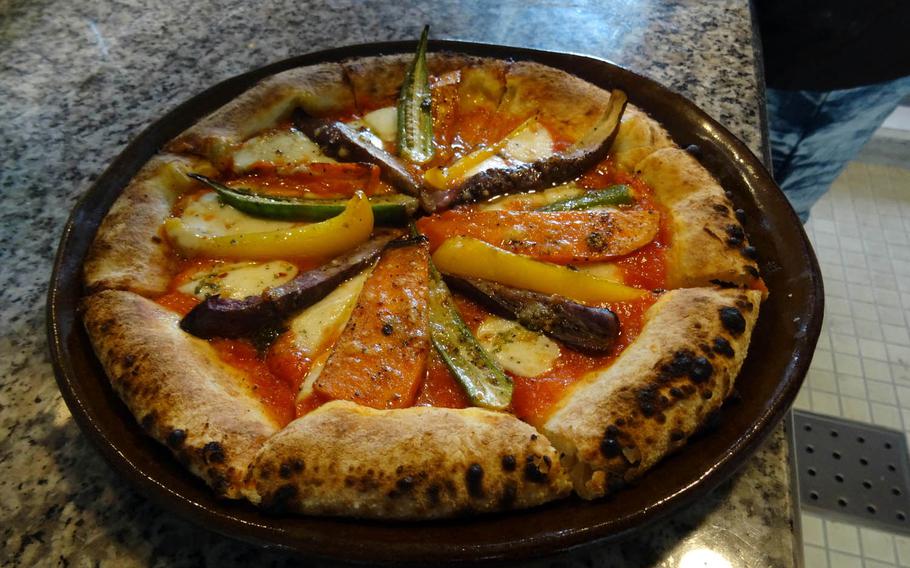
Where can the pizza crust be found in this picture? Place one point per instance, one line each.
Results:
(376, 81)
(320, 90)
(617, 423)
(639, 136)
(413, 463)
(178, 389)
(129, 251)
(708, 244)
(570, 104)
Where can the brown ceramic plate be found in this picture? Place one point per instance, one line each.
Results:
(782, 346)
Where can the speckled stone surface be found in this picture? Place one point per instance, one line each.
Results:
(80, 79)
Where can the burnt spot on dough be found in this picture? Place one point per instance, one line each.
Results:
(509, 463)
(680, 364)
(213, 453)
(218, 481)
(176, 438)
(148, 421)
(129, 361)
(280, 501)
(749, 252)
(537, 468)
(753, 271)
(433, 492)
(701, 370)
(610, 447)
(740, 215)
(473, 478)
(732, 319)
(707, 394)
(723, 347)
(676, 392)
(677, 435)
(721, 208)
(287, 469)
(509, 495)
(646, 397)
(724, 284)
(156, 239)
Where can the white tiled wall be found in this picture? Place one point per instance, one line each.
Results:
(861, 369)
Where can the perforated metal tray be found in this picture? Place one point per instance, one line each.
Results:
(852, 470)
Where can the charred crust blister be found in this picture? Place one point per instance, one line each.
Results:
(732, 320)
(474, 480)
(509, 463)
(723, 347)
(537, 468)
(176, 438)
(213, 453)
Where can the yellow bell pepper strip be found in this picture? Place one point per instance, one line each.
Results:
(317, 240)
(415, 108)
(473, 258)
(442, 178)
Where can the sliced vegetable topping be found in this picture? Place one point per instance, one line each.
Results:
(559, 168)
(472, 258)
(387, 209)
(442, 178)
(380, 358)
(481, 376)
(339, 140)
(326, 239)
(415, 108)
(609, 197)
(589, 329)
(226, 317)
(562, 236)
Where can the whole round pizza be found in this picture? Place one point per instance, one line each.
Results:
(422, 286)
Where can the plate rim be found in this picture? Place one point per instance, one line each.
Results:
(201, 514)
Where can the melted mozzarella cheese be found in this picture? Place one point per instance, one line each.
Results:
(208, 216)
(239, 280)
(278, 148)
(531, 144)
(383, 122)
(519, 350)
(314, 326)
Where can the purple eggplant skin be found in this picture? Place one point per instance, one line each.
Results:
(225, 317)
(554, 170)
(340, 141)
(585, 328)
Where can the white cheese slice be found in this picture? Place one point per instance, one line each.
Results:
(206, 215)
(519, 350)
(316, 325)
(278, 148)
(383, 122)
(531, 144)
(306, 387)
(239, 280)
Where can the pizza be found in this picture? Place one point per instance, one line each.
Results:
(421, 286)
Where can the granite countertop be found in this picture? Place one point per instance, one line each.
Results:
(80, 79)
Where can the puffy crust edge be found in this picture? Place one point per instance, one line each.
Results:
(128, 252)
(414, 463)
(617, 423)
(708, 244)
(320, 89)
(177, 388)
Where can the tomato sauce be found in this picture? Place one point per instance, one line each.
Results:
(324, 180)
(276, 395)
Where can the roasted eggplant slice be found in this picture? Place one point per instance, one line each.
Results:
(556, 169)
(340, 141)
(224, 317)
(588, 329)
